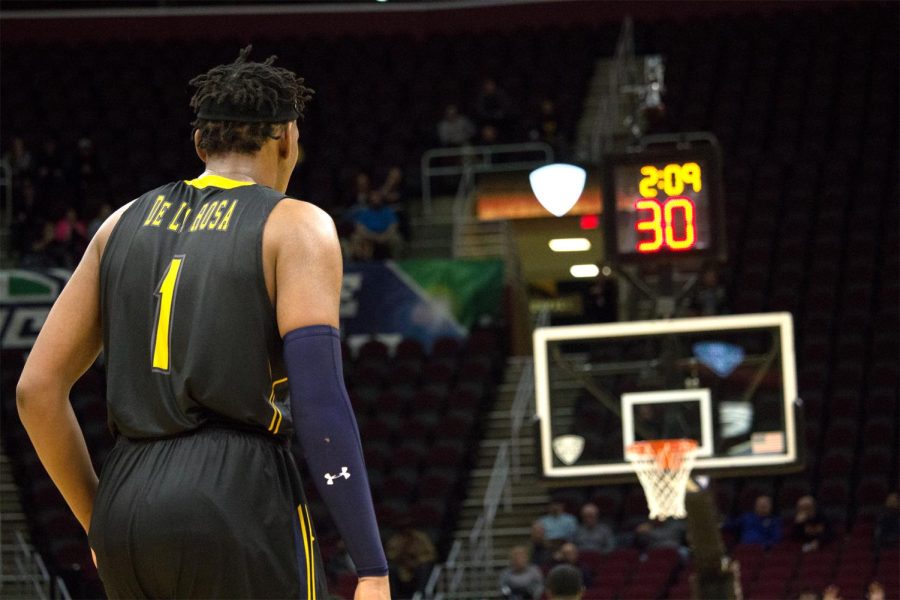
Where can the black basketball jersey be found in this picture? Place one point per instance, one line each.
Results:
(189, 331)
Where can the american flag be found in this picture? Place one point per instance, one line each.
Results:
(767, 442)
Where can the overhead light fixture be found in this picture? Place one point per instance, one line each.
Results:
(584, 270)
(558, 186)
(570, 244)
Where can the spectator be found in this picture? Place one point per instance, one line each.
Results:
(832, 592)
(49, 164)
(19, 158)
(564, 583)
(541, 550)
(558, 524)
(757, 526)
(568, 555)
(707, 298)
(392, 193)
(411, 555)
(44, 252)
(875, 591)
(97, 221)
(591, 533)
(455, 129)
(362, 187)
(811, 528)
(71, 232)
(25, 218)
(521, 580)
(888, 523)
(492, 105)
(545, 126)
(376, 231)
(488, 136)
(654, 534)
(87, 173)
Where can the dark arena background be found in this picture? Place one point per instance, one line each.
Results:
(739, 157)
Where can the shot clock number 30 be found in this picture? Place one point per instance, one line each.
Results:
(663, 205)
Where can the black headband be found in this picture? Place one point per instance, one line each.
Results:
(211, 110)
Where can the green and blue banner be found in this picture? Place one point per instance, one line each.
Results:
(423, 299)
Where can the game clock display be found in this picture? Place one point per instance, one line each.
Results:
(663, 204)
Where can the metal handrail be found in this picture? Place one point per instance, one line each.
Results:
(523, 400)
(32, 569)
(480, 159)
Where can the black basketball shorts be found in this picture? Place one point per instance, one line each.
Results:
(217, 513)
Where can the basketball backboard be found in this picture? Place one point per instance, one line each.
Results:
(728, 382)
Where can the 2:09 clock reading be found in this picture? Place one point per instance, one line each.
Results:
(663, 202)
(672, 179)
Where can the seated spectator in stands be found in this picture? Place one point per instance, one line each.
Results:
(49, 163)
(832, 592)
(568, 555)
(591, 533)
(544, 127)
(455, 129)
(411, 555)
(376, 233)
(392, 193)
(362, 187)
(811, 528)
(888, 523)
(521, 580)
(558, 524)
(19, 158)
(492, 107)
(98, 220)
(541, 549)
(87, 173)
(488, 136)
(757, 526)
(707, 298)
(654, 534)
(875, 591)
(44, 252)
(71, 232)
(564, 583)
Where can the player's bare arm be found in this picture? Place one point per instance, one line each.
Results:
(303, 268)
(68, 344)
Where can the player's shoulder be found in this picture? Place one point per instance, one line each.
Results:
(291, 217)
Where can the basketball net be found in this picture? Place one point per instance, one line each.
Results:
(663, 468)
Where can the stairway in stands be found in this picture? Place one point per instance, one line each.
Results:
(529, 497)
(13, 521)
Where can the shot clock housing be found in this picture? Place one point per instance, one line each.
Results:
(662, 202)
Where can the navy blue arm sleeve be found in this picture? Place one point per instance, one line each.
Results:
(328, 434)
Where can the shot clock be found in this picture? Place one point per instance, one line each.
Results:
(664, 202)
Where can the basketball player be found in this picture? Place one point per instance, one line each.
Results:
(216, 303)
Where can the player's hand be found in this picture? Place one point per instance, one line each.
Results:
(373, 588)
(94, 557)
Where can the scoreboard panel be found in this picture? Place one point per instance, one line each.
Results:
(664, 204)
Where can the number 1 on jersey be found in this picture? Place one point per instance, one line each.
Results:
(166, 294)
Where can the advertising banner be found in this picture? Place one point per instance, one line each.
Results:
(423, 299)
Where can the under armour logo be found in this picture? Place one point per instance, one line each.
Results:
(344, 473)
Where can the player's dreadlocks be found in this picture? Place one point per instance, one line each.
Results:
(239, 105)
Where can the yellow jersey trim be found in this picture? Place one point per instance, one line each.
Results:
(312, 552)
(310, 589)
(213, 180)
(275, 424)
